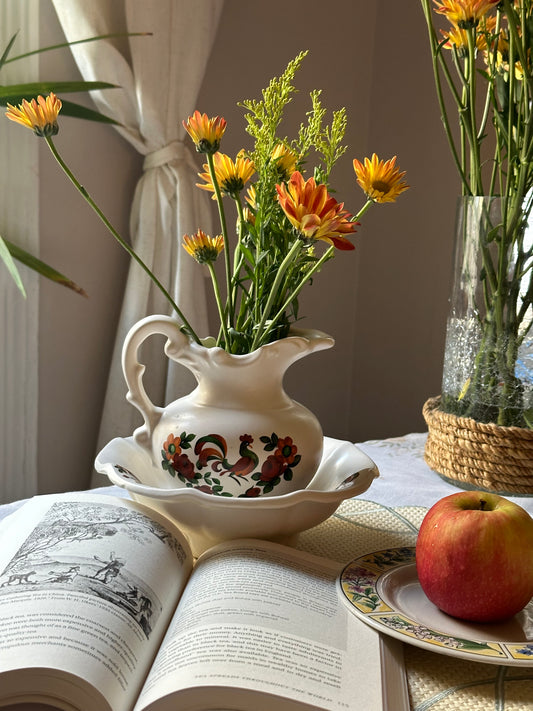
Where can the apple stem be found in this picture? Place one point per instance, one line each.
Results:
(482, 504)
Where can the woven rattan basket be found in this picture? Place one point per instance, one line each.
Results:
(474, 455)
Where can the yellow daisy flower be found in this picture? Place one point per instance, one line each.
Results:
(286, 161)
(464, 13)
(250, 207)
(205, 132)
(251, 197)
(231, 176)
(202, 247)
(500, 62)
(38, 114)
(458, 37)
(381, 180)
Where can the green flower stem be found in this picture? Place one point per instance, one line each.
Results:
(294, 293)
(439, 63)
(263, 332)
(362, 211)
(475, 167)
(506, 271)
(223, 226)
(517, 40)
(117, 236)
(238, 256)
(220, 306)
(291, 254)
(240, 213)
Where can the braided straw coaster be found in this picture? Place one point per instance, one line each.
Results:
(474, 455)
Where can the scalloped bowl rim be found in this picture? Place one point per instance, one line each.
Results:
(309, 494)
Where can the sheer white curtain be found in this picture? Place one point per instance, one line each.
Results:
(159, 87)
(19, 223)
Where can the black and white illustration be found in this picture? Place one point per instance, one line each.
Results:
(76, 547)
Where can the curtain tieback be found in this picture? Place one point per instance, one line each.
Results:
(174, 151)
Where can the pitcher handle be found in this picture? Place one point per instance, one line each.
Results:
(133, 370)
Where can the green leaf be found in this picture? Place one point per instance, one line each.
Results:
(3, 58)
(62, 45)
(82, 112)
(42, 268)
(248, 254)
(14, 93)
(11, 266)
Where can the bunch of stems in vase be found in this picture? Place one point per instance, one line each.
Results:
(481, 52)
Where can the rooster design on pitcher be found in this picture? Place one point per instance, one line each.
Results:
(212, 464)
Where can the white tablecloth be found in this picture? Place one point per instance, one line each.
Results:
(405, 479)
(405, 485)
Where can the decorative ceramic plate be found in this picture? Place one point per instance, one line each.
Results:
(382, 588)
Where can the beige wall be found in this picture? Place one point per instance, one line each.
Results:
(76, 334)
(385, 303)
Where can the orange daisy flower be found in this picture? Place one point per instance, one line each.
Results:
(314, 213)
(38, 114)
(381, 180)
(231, 176)
(205, 132)
(203, 247)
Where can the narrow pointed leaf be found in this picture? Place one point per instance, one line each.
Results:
(14, 93)
(62, 45)
(42, 268)
(73, 110)
(3, 58)
(5, 255)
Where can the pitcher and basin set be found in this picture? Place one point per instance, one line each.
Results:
(237, 457)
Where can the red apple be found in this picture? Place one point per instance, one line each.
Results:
(474, 556)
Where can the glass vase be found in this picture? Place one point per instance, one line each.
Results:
(488, 361)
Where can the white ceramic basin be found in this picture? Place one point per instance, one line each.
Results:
(205, 519)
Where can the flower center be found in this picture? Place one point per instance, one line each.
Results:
(380, 186)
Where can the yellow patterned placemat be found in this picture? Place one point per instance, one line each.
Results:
(436, 682)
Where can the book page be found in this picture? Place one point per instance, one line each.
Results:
(88, 584)
(262, 617)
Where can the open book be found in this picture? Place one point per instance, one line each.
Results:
(102, 608)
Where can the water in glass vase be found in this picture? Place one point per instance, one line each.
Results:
(488, 364)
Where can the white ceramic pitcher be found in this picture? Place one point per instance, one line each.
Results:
(237, 433)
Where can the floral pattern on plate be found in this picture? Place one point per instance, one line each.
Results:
(366, 583)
